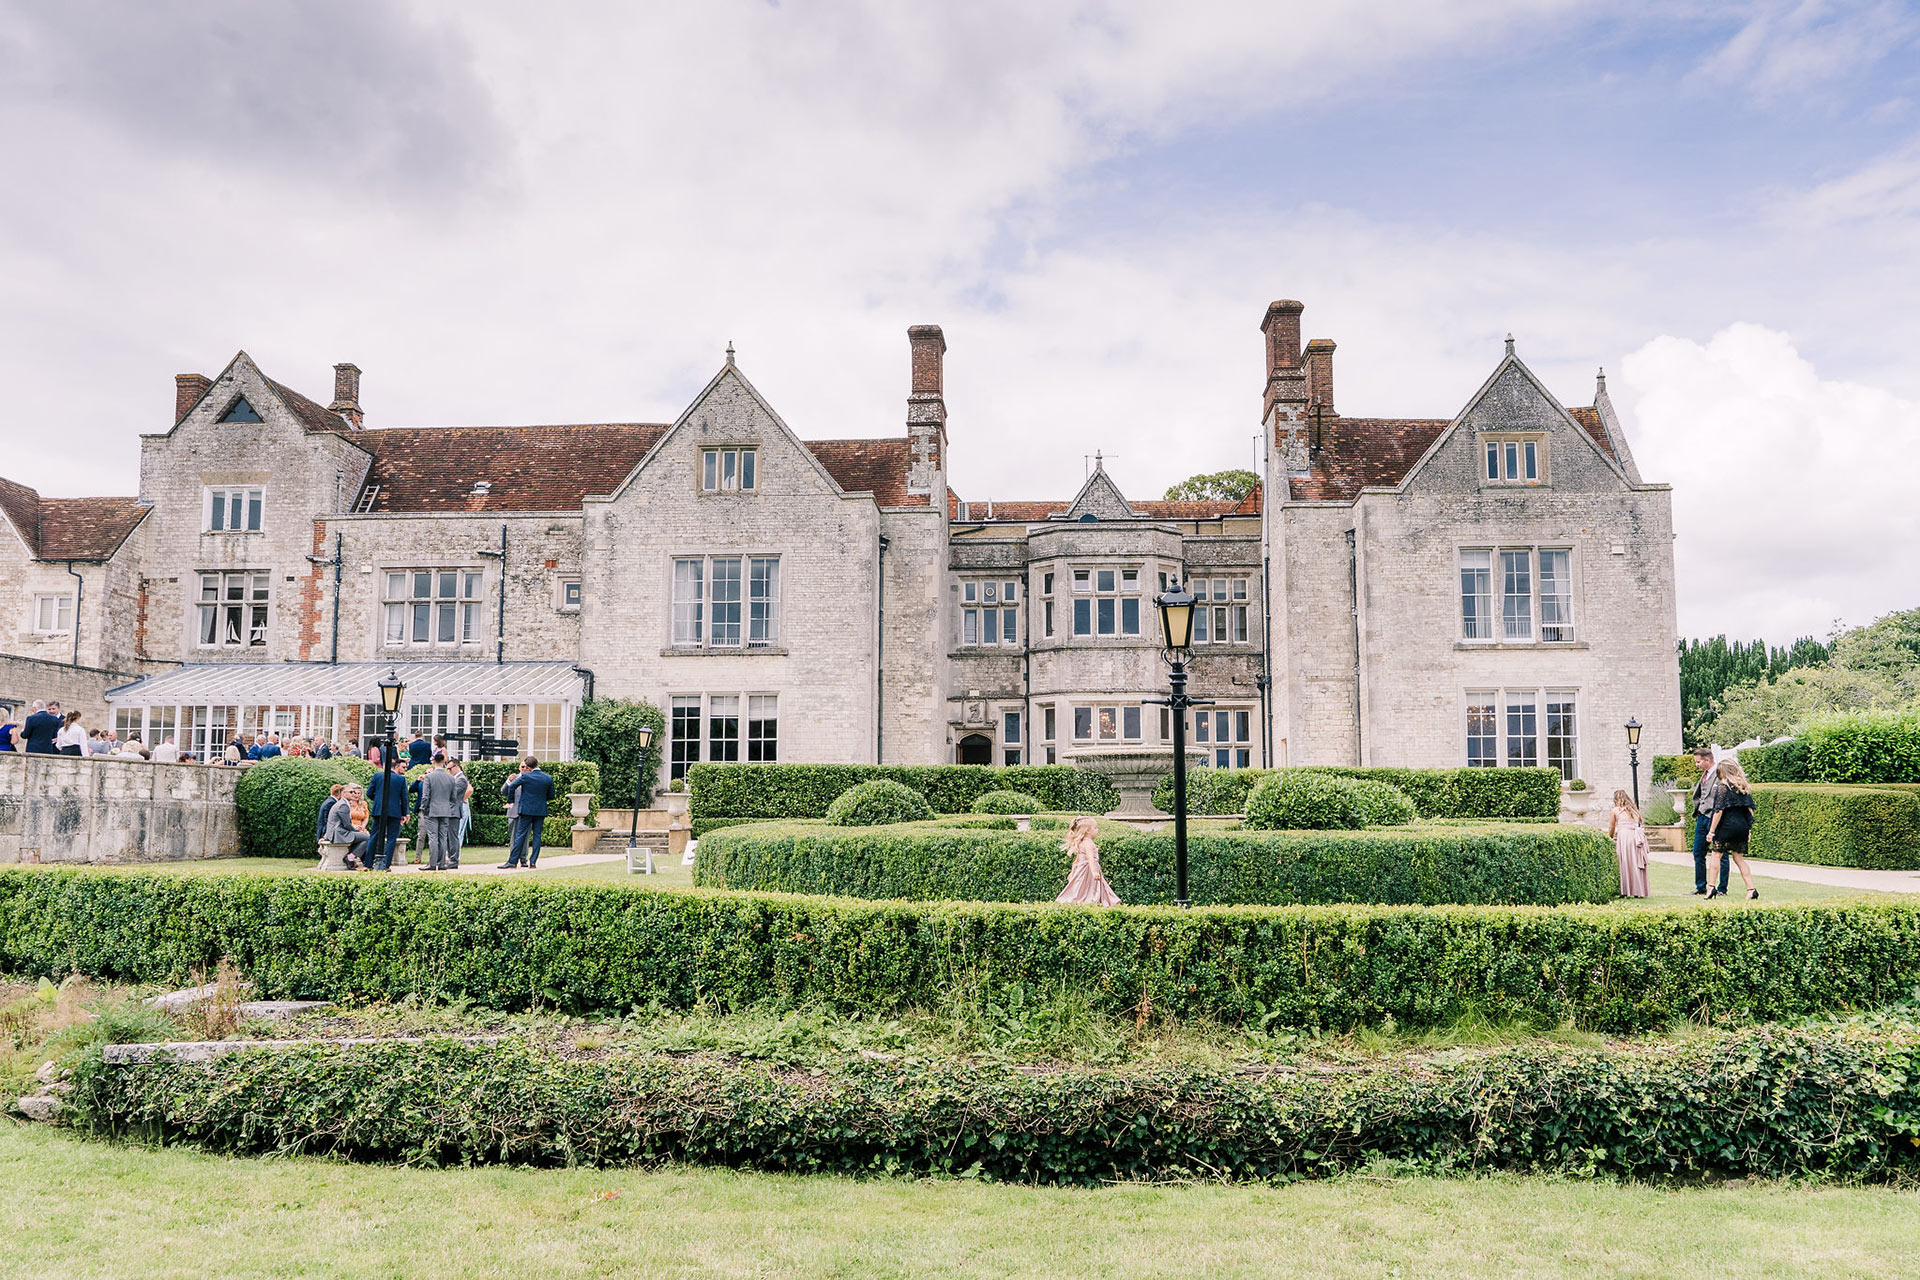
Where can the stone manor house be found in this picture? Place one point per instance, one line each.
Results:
(1494, 588)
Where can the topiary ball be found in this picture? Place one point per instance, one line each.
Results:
(1007, 802)
(1302, 800)
(877, 803)
(1380, 804)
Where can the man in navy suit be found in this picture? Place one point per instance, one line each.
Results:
(40, 728)
(527, 793)
(386, 809)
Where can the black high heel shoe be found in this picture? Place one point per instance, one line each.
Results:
(1752, 894)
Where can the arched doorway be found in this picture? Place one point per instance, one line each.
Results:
(976, 748)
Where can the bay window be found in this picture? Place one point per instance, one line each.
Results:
(1106, 602)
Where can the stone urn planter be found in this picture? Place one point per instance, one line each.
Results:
(584, 836)
(675, 802)
(1586, 808)
(1135, 772)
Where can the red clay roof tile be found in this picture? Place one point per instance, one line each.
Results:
(69, 528)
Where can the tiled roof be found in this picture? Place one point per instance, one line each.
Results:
(553, 468)
(1034, 512)
(313, 416)
(69, 528)
(1589, 419)
(1364, 453)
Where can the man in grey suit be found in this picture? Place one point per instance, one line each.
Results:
(527, 793)
(440, 815)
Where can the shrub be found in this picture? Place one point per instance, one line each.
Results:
(1436, 793)
(1007, 802)
(511, 944)
(1837, 1099)
(877, 803)
(1674, 771)
(1498, 863)
(604, 732)
(1780, 762)
(1660, 811)
(1837, 826)
(1311, 800)
(805, 790)
(278, 802)
(1865, 746)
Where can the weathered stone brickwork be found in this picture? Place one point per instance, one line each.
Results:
(73, 809)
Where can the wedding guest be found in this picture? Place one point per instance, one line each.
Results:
(1700, 805)
(466, 808)
(1732, 822)
(168, 752)
(347, 824)
(1085, 885)
(326, 807)
(72, 739)
(1629, 834)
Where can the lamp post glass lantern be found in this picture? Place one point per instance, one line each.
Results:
(1176, 633)
(390, 691)
(643, 738)
(1633, 755)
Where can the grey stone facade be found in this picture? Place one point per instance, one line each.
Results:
(842, 604)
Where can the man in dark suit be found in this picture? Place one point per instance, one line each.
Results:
(527, 793)
(420, 750)
(386, 810)
(41, 728)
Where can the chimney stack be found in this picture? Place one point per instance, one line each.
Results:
(1319, 362)
(346, 393)
(1286, 379)
(927, 413)
(187, 390)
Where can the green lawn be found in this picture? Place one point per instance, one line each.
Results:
(73, 1207)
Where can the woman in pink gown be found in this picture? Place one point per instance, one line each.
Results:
(1629, 845)
(1085, 885)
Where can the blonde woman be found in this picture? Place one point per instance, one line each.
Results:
(1630, 845)
(1085, 885)
(1732, 822)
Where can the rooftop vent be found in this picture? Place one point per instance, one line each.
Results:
(481, 488)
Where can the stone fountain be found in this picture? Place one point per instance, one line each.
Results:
(1135, 772)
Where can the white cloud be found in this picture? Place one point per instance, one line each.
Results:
(1794, 495)
(1789, 47)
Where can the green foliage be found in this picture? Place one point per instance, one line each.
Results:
(1496, 863)
(1007, 802)
(513, 943)
(1675, 771)
(878, 803)
(1436, 793)
(1837, 826)
(278, 802)
(1708, 668)
(1879, 746)
(1830, 1102)
(1310, 800)
(1660, 811)
(1888, 646)
(606, 731)
(1787, 704)
(1216, 486)
(805, 790)
(1779, 762)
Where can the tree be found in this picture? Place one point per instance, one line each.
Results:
(605, 732)
(1217, 486)
(1775, 708)
(1709, 668)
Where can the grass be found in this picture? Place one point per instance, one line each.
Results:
(71, 1207)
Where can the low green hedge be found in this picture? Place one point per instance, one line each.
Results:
(1834, 1101)
(1007, 802)
(878, 802)
(1778, 762)
(1837, 826)
(278, 804)
(1497, 864)
(1306, 800)
(1864, 746)
(512, 944)
(1676, 771)
(805, 790)
(1436, 793)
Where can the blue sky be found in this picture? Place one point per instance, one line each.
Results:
(568, 221)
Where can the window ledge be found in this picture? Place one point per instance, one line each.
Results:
(1517, 646)
(743, 651)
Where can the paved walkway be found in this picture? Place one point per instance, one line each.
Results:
(1838, 877)
(468, 867)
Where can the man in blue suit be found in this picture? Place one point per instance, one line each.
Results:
(386, 810)
(527, 793)
(40, 728)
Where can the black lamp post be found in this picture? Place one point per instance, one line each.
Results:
(644, 737)
(390, 690)
(1176, 635)
(1633, 755)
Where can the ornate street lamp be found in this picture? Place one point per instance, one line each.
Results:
(1633, 755)
(390, 690)
(1176, 635)
(643, 737)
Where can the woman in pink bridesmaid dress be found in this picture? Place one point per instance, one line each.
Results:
(1085, 885)
(1629, 845)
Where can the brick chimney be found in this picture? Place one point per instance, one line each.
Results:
(1286, 378)
(1319, 361)
(927, 413)
(187, 390)
(346, 393)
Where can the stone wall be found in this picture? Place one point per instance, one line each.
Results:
(24, 681)
(75, 809)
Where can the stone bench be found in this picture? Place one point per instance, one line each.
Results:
(333, 857)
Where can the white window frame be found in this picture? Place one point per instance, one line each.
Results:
(1513, 458)
(752, 736)
(989, 607)
(730, 468)
(217, 508)
(1235, 750)
(62, 602)
(1113, 585)
(569, 587)
(1220, 610)
(746, 620)
(1517, 617)
(403, 608)
(254, 606)
(1512, 746)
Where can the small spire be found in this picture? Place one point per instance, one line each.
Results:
(1509, 344)
(1600, 380)
(730, 350)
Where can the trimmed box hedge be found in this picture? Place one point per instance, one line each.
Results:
(805, 790)
(1837, 826)
(1436, 793)
(1837, 1101)
(1864, 746)
(513, 944)
(1499, 863)
(1778, 762)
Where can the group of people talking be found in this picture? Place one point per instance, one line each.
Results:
(368, 819)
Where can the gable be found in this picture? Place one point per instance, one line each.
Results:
(240, 411)
(1100, 498)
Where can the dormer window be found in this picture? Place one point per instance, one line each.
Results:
(1514, 459)
(240, 411)
(729, 470)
